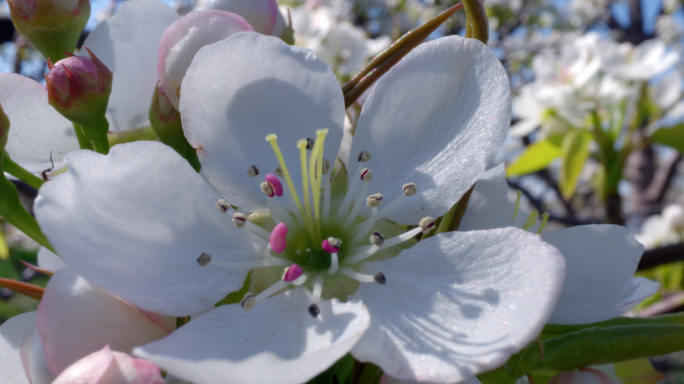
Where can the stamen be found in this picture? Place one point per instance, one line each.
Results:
(300, 280)
(279, 172)
(363, 156)
(273, 140)
(344, 207)
(377, 239)
(277, 239)
(239, 219)
(267, 189)
(362, 229)
(363, 278)
(301, 145)
(317, 289)
(374, 201)
(531, 219)
(248, 301)
(253, 171)
(204, 259)
(326, 198)
(275, 288)
(545, 219)
(310, 143)
(292, 273)
(275, 184)
(357, 206)
(409, 189)
(332, 246)
(517, 204)
(314, 310)
(274, 260)
(275, 213)
(427, 224)
(222, 206)
(316, 175)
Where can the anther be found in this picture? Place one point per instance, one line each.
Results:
(427, 224)
(267, 189)
(377, 239)
(410, 189)
(292, 273)
(364, 156)
(332, 245)
(380, 278)
(275, 184)
(240, 220)
(279, 172)
(204, 259)
(248, 301)
(366, 174)
(310, 144)
(314, 310)
(222, 206)
(326, 166)
(253, 171)
(277, 239)
(374, 201)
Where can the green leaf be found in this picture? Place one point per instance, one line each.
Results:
(340, 372)
(496, 377)
(595, 346)
(638, 372)
(555, 330)
(672, 137)
(536, 157)
(575, 151)
(237, 296)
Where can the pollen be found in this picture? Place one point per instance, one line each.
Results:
(240, 220)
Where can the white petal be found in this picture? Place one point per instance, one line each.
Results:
(36, 129)
(49, 261)
(600, 260)
(12, 333)
(524, 127)
(76, 318)
(134, 222)
(277, 341)
(270, 88)
(127, 44)
(262, 15)
(459, 304)
(436, 119)
(34, 360)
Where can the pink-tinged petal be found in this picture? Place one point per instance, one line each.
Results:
(50, 261)
(127, 44)
(37, 131)
(185, 37)
(436, 119)
(34, 360)
(76, 318)
(12, 334)
(109, 367)
(262, 15)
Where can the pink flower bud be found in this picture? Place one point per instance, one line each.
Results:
(79, 87)
(108, 367)
(53, 26)
(581, 376)
(185, 37)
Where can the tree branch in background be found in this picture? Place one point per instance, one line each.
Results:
(662, 255)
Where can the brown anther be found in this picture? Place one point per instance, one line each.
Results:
(427, 224)
(248, 301)
(204, 259)
(314, 310)
(364, 156)
(374, 201)
(253, 171)
(240, 220)
(380, 278)
(310, 144)
(267, 189)
(409, 189)
(377, 239)
(222, 206)
(366, 174)
(326, 166)
(279, 172)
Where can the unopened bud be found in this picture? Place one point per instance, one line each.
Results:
(374, 201)
(185, 37)
(52, 26)
(240, 220)
(78, 88)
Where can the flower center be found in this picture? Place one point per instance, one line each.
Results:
(314, 240)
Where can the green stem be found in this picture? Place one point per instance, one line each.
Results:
(371, 374)
(20, 173)
(101, 145)
(97, 132)
(12, 211)
(83, 141)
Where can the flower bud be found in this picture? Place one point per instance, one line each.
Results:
(78, 88)
(581, 376)
(262, 15)
(185, 37)
(106, 366)
(166, 122)
(52, 26)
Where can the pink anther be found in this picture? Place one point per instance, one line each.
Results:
(292, 273)
(275, 183)
(277, 238)
(329, 248)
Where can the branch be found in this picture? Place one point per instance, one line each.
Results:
(662, 255)
(539, 206)
(655, 193)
